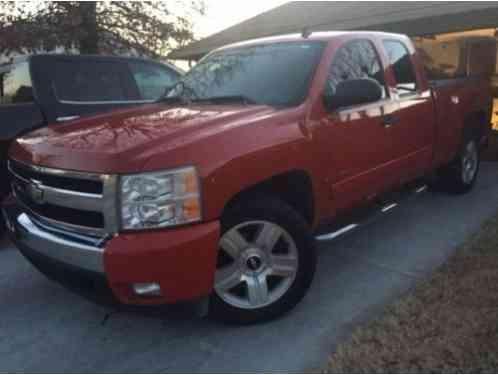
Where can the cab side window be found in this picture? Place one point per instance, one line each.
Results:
(404, 72)
(93, 81)
(354, 60)
(152, 80)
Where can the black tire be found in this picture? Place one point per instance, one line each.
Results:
(272, 210)
(451, 177)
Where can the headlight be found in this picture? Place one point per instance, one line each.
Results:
(160, 199)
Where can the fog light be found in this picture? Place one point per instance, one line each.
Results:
(147, 289)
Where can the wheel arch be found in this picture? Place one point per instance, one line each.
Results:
(294, 187)
(475, 125)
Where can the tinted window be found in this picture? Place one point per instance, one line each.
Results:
(152, 79)
(356, 59)
(275, 74)
(91, 81)
(400, 60)
(16, 87)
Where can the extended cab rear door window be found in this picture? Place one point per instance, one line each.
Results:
(94, 82)
(402, 66)
(356, 59)
(15, 85)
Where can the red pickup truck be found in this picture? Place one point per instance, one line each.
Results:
(215, 192)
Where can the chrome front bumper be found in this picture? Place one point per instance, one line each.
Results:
(74, 250)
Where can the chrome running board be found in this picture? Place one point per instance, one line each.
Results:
(377, 209)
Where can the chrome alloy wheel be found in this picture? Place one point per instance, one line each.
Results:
(470, 162)
(257, 265)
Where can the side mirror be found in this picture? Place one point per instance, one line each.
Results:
(353, 92)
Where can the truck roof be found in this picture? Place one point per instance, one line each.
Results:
(318, 36)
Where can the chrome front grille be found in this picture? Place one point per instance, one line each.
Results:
(78, 202)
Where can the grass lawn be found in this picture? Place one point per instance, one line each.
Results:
(448, 323)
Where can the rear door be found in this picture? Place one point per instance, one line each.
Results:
(353, 141)
(413, 126)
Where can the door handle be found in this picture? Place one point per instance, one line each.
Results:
(389, 120)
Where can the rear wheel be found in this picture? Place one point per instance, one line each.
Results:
(266, 262)
(460, 176)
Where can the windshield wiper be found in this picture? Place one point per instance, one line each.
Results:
(228, 98)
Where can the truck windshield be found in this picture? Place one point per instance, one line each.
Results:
(275, 74)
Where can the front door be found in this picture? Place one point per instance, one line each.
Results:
(355, 142)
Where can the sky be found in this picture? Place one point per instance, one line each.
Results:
(221, 14)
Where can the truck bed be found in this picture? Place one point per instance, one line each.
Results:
(454, 99)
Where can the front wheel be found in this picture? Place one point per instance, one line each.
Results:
(266, 262)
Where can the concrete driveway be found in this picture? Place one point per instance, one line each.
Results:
(44, 328)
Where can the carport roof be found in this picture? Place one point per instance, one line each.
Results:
(412, 18)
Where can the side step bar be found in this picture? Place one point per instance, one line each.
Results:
(368, 214)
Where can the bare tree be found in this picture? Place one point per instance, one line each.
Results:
(147, 28)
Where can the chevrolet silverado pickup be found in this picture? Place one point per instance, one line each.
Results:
(215, 192)
(36, 90)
